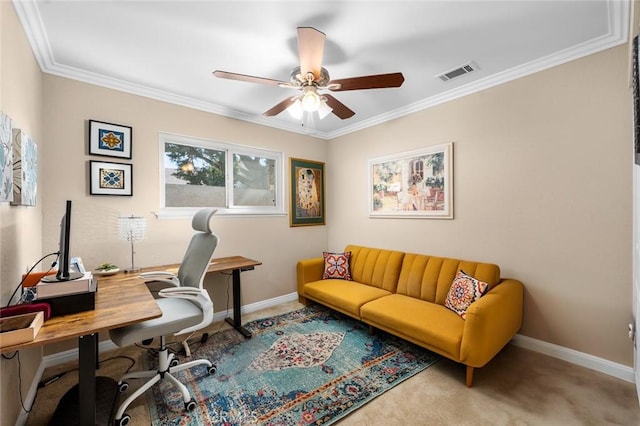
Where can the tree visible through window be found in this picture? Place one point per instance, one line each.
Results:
(254, 181)
(200, 173)
(194, 176)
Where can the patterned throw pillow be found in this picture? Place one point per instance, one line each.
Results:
(336, 265)
(463, 292)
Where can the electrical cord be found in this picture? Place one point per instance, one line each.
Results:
(57, 253)
(20, 387)
(16, 354)
(46, 382)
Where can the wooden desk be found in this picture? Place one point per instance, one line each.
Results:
(235, 265)
(120, 300)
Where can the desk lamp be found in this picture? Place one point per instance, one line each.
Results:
(132, 228)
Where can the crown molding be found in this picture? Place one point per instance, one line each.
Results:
(27, 11)
(619, 15)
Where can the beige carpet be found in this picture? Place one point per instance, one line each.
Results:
(518, 387)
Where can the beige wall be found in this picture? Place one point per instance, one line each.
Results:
(67, 107)
(20, 227)
(542, 187)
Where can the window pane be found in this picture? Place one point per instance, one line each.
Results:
(194, 176)
(254, 181)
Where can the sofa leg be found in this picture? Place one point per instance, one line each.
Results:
(303, 300)
(469, 376)
(372, 330)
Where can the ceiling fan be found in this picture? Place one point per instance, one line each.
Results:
(311, 76)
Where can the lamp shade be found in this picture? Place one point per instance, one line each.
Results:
(132, 228)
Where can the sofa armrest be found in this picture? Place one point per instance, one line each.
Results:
(309, 270)
(491, 322)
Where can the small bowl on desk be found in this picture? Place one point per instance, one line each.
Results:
(106, 269)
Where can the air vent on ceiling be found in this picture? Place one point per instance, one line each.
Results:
(460, 71)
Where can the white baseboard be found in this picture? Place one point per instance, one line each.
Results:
(579, 358)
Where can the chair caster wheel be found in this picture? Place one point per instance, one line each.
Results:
(174, 363)
(124, 421)
(213, 370)
(191, 405)
(122, 387)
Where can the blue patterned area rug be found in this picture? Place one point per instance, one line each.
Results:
(306, 367)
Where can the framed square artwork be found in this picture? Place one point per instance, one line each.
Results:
(110, 140)
(107, 178)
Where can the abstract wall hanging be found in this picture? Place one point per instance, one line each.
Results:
(6, 158)
(25, 169)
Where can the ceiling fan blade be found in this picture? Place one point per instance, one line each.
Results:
(379, 81)
(339, 109)
(248, 78)
(310, 51)
(277, 109)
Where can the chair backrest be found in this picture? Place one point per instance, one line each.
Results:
(200, 250)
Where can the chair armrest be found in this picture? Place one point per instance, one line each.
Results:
(309, 270)
(491, 322)
(194, 295)
(162, 276)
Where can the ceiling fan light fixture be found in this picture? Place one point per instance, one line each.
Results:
(295, 109)
(324, 109)
(310, 100)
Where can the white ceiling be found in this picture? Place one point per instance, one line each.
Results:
(167, 50)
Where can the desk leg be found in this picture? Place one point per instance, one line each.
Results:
(91, 401)
(237, 322)
(87, 382)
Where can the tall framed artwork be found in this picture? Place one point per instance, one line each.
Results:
(636, 102)
(25, 169)
(6, 158)
(413, 184)
(110, 140)
(307, 193)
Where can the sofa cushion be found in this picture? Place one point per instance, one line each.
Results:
(463, 292)
(429, 277)
(427, 324)
(375, 267)
(343, 296)
(336, 265)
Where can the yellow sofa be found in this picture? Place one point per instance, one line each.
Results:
(404, 294)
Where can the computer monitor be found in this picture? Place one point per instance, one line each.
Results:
(64, 274)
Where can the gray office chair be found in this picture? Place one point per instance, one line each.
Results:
(186, 307)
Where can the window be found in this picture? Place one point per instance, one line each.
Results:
(236, 179)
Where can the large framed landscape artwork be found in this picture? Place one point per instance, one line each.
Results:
(413, 184)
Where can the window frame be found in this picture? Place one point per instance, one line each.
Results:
(230, 149)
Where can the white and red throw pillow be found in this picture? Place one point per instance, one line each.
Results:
(336, 265)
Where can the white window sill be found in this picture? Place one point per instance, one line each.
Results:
(188, 212)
